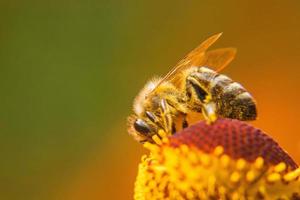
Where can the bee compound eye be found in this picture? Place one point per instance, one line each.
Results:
(141, 126)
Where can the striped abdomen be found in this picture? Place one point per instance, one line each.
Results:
(232, 99)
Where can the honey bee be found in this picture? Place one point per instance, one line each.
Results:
(193, 87)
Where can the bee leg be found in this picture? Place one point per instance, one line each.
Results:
(166, 116)
(185, 123)
(209, 112)
(152, 117)
(199, 96)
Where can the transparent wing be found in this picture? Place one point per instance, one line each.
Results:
(215, 59)
(218, 59)
(194, 57)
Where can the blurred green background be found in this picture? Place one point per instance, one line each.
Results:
(69, 71)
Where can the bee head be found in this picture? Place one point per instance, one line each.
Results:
(141, 98)
(139, 128)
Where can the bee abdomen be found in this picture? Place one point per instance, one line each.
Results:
(243, 107)
(232, 99)
(234, 88)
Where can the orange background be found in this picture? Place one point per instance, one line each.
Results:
(69, 71)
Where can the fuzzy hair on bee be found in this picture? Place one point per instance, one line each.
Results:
(193, 90)
(139, 101)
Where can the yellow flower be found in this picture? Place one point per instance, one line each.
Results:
(227, 160)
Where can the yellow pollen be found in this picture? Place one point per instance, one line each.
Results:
(163, 136)
(262, 190)
(218, 150)
(152, 184)
(192, 157)
(292, 175)
(273, 177)
(208, 98)
(280, 167)
(157, 140)
(162, 133)
(160, 168)
(184, 149)
(241, 164)
(250, 176)
(235, 177)
(144, 157)
(186, 172)
(165, 140)
(235, 196)
(205, 159)
(225, 160)
(211, 184)
(222, 190)
(259, 162)
(190, 195)
(151, 147)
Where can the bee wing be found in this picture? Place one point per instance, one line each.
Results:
(218, 59)
(215, 59)
(193, 58)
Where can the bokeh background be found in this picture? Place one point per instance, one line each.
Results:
(69, 71)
